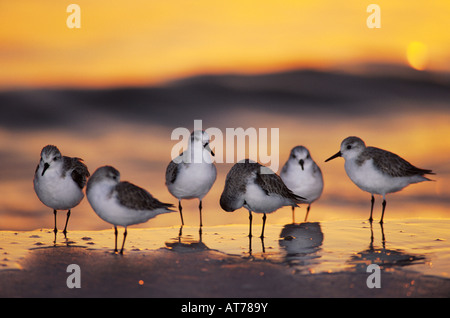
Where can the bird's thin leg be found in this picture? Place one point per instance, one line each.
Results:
(67, 221)
(181, 211)
(264, 224)
(55, 230)
(250, 217)
(371, 208)
(115, 241)
(307, 211)
(124, 237)
(200, 209)
(382, 213)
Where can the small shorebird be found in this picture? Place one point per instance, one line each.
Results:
(256, 188)
(377, 171)
(192, 174)
(59, 181)
(121, 202)
(303, 177)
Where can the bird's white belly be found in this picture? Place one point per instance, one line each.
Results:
(193, 181)
(369, 179)
(307, 186)
(109, 210)
(258, 201)
(58, 193)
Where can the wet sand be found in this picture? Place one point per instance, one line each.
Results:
(196, 273)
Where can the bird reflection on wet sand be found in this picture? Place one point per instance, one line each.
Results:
(301, 243)
(187, 243)
(382, 256)
(263, 248)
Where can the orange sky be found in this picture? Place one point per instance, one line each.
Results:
(144, 41)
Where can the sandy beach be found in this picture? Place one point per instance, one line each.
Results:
(193, 270)
(199, 274)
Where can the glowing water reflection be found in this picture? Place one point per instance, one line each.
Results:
(330, 246)
(302, 244)
(383, 256)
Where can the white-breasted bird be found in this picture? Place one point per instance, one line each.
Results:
(59, 181)
(192, 174)
(121, 202)
(303, 176)
(377, 171)
(258, 189)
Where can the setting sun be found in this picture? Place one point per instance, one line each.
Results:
(417, 55)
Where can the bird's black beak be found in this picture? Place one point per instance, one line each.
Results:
(301, 162)
(338, 154)
(209, 149)
(46, 165)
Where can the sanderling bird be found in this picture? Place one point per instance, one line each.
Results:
(258, 189)
(121, 202)
(192, 174)
(59, 181)
(377, 171)
(303, 177)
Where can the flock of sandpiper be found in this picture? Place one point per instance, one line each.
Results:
(59, 182)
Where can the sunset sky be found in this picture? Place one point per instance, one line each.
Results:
(144, 42)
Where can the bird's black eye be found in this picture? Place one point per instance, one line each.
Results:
(349, 147)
